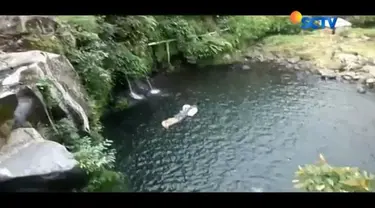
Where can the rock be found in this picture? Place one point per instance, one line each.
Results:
(27, 154)
(350, 61)
(28, 68)
(365, 38)
(227, 57)
(327, 74)
(356, 77)
(364, 69)
(349, 76)
(370, 61)
(28, 81)
(245, 67)
(347, 57)
(12, 25)
(352, 66)
(140, 86)
(286, 76)
(23, 108)
(289, 66)
(342, 31)
(314, 70)
(294, 60)
(369, 69)
(255, 52)
(361, 89)
(370, 82)
(16, 29)
(297, 67)
(306, 66)
(334, 65)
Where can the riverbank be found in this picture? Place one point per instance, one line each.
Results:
(347, 55)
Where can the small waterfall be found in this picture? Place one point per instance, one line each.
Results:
(152, 90)
(132, 93)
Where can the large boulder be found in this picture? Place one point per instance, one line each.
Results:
(37, 163)
(37, 88)
(14, 28)
(25, 70)
(12, 25)
(327, 74)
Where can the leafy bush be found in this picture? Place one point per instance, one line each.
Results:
(323, 177)
(248, 27)
(94, 155)
(87, 23)
(107, 180)
(282, 25)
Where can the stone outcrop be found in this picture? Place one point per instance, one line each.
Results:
(14, 28)
(12, 25)
(28, 154)
(19, 71)
(36, 89)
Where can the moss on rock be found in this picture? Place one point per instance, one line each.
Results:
(44, 43)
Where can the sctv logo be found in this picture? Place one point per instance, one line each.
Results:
(312, 22)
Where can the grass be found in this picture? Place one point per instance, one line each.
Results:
(318, 46)
(358, 32)
(87, 22)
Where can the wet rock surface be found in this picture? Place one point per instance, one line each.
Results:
(35, 69)
(14, 29)
(28, 156)
(36, 89)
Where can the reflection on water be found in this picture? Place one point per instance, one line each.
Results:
(252, 131)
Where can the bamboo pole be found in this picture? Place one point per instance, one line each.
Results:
(160, 42)
(172, 40)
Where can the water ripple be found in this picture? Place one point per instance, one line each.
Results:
(252, 131)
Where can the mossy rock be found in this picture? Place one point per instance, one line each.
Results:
(44, 43)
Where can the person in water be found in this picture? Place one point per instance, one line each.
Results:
(187, 110)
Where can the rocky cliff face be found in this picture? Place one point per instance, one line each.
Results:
(28, 162)
(14, 29)
(26, 105)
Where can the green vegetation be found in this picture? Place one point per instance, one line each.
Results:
(94, 155)
(308, 45)
(322, 177)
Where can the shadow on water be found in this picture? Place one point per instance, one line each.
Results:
(252, 130)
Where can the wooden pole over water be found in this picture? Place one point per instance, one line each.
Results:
(172, 40)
